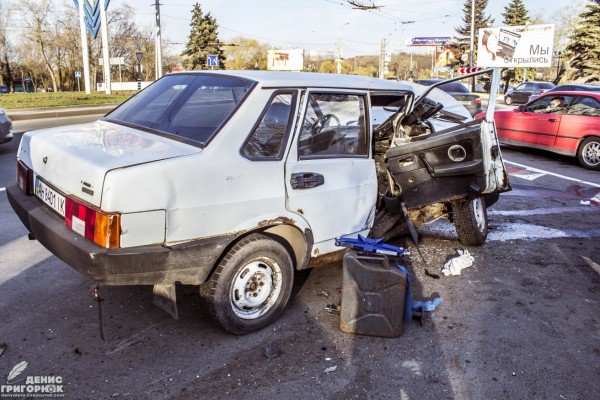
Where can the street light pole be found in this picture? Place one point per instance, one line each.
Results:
(105, 54)
(158, 45)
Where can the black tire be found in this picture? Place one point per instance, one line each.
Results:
(588, 153)
(255, 252)
(508, 100)
(470, 221)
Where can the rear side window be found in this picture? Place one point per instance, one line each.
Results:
(334, 124)
(268, 138)
(586, 106)
(187, 106)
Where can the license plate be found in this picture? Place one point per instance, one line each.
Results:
(465, 102)
(50, 196)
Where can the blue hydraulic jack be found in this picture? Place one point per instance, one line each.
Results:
(412, 309)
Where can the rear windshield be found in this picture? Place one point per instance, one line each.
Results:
(188, 106)
(452, 87)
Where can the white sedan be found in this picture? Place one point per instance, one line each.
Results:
(231, 180)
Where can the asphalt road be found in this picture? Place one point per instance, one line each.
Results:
(522, 322)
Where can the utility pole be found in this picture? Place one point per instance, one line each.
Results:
(84, 50)
(105, 54)
(158, 45)
(472, 43)
(339, 58)
(382, 58)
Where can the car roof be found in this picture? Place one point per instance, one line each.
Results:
(276, 79)
(572, 93)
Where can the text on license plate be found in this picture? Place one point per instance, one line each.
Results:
(465, 102)
(50, 196)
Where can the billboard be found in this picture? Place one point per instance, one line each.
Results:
(430, 41)
(516, 46)
(285, 60)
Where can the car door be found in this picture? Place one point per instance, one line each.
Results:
(526, 90)
(537, 123)
(330, 175)
(582, 119)
(451, 164)
(517, 95)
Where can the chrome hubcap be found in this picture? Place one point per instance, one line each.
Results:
(255, 288)
(479, 213)
(591, 153)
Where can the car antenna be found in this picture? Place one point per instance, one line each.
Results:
(100, 300)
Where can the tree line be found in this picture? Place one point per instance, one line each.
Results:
(41, 41)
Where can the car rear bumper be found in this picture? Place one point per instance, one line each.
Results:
(188, 263)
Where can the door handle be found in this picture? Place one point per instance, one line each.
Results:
(306, 180)
(552, 119)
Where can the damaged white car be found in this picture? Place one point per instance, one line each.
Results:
(231, 180)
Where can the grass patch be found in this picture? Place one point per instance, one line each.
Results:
(13, 101)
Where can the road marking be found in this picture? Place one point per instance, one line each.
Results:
(511, 231)
(552, 173)
(542, 211)
(2, 189)
(528, 175)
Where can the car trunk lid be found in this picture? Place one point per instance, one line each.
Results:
(75, 159)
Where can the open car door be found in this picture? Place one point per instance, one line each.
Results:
(457, 166)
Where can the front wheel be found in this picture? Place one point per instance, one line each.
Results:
(470, 221)
(508, 100)
(251, 285)
(589, 153)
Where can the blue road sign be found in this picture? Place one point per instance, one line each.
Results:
(77, 74)
(212, 60)
(27, 79)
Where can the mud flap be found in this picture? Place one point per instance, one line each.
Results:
(165, 297)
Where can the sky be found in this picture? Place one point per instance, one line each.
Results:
(316, 25)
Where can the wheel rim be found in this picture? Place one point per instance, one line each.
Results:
(591, 153)
(478, 209)
(255, 288)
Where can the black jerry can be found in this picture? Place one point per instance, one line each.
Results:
(372, 295)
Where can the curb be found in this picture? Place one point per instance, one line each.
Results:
(20, 115)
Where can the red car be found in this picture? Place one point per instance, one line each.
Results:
(562, 122)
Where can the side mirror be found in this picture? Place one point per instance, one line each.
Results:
(520, 108)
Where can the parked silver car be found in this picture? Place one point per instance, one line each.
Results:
(5, 127)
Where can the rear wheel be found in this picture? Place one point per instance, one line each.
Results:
(470, 221)
(508, 100)
(251, 285)
(589, 153)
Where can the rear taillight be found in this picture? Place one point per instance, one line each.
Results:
(24, 178)
(99, 227)
(477, 101)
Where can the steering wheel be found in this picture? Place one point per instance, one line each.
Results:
(323, 122)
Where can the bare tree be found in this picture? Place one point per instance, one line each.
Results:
(37, 17)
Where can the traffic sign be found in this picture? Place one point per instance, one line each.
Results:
(212, 60)
(78, 74)
(467, 70)
(27, 79)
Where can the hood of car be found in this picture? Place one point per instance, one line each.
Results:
(71, 157)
